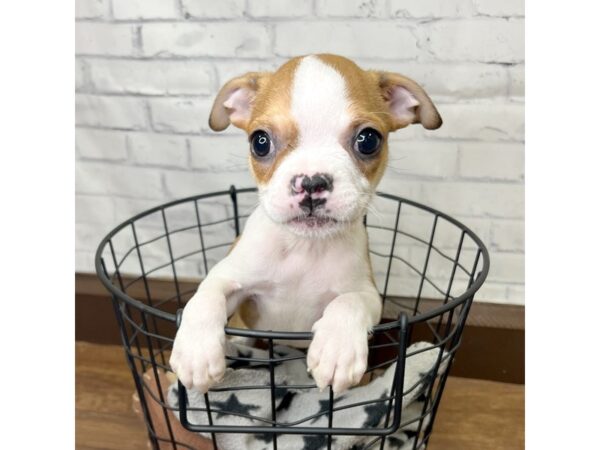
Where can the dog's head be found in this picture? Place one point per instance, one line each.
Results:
(318, 130)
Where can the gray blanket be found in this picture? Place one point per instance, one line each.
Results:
(296, 404)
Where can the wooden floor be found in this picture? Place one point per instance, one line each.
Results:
(474, 414)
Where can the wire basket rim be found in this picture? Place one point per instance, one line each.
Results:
(296, 335)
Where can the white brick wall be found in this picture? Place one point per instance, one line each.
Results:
(425, 9)
(222, 9)
(152, 77)
(351, 38)
(195, 39)
(144, 9)
(278, 8)
(147, 72)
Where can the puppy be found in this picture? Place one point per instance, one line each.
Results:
(318, 129)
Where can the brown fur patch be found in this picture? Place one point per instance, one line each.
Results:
(271, 113)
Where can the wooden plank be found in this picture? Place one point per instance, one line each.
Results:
(482, 415)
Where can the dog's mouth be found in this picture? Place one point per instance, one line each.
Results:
(312, 222)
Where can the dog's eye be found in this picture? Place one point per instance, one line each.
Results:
(261, 143)
(367, 142)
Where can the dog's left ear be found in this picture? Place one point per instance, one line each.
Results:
(407, 101)
(234, 101)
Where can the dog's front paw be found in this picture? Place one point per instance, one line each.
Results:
(337, 355)
(198, 357)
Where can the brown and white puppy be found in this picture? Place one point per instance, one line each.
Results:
(318, 129)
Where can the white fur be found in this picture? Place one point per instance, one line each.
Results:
(299, 279)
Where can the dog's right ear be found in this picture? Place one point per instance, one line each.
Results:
(235, 100)
(407, 101)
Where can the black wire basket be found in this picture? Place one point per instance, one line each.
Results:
(427, 266)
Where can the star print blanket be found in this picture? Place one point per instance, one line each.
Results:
(308, 406)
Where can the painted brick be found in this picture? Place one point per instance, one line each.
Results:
(475, 199)
(97, 38)
(111, 179)
(414, 132)
(517, 80)
(508, 235)
(180, 115)
(144, 9)
(215, 10)
(386, 40)
(278, 8)
(226, 70)
(482, 121)
(224, 39)
(516, 293)
(89, 235)
(80, 75)
(481, 227)
(351, 8)
(153, 77)
(110, 112)
(453, 81)
(158, 150)
(84, 261)
(100, 144)
(182, 184)
(507, 267)
(94, 209)
(502, 161)
(431, 8)
(502, 8)
(399, 185)
(430, 159)
(219, 153)
(90, 9)
(484, 40)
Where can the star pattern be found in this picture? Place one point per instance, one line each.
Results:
(395, 442)
(375, 412)
(233, 405)
(410, 433)
(315, 442)
(284, 396)
(324, 407)
(425, 380)
(265, 437)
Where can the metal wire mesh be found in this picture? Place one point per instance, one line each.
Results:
(427, 267)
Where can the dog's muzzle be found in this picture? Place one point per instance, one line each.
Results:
(314, 190)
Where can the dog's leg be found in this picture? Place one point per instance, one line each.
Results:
(339, 350)
(198, 356)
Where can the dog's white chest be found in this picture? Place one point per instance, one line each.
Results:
(293, 291)
(291, 282)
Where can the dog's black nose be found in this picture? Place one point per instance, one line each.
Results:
(314, 189)
(317, 183)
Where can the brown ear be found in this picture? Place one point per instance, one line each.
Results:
(407, 101)
(234, 101)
